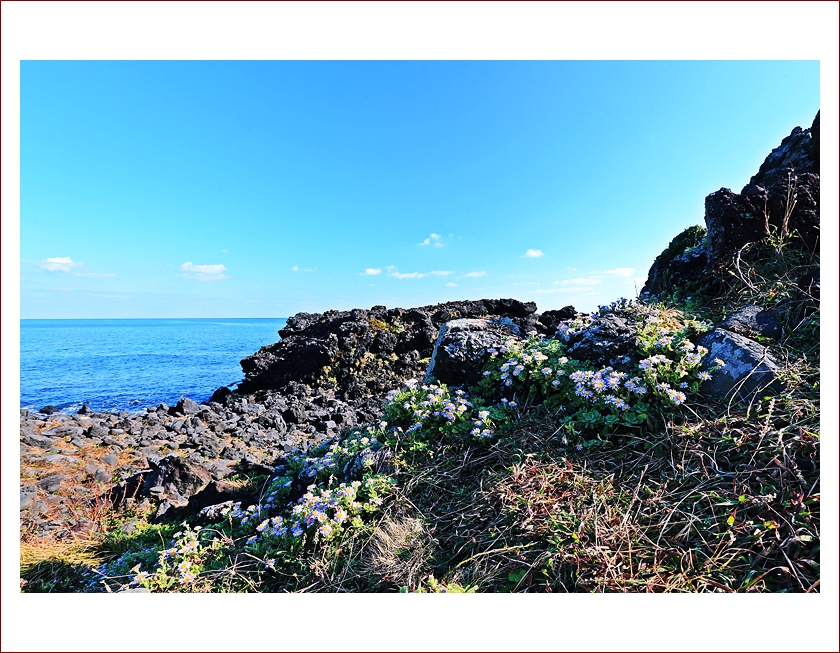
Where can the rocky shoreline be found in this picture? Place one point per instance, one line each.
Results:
(333, 371)
(327, 373)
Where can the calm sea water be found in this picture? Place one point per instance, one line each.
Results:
(133, 364)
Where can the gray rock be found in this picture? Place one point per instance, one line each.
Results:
(34, 440)
(60, 459)
(111, 460)
(751, 321)
(370, 459)
(187, 406)
(750, 367)
(130, 527)
(218, 469)
(179, 478)
(608, 340)
(97, 431)
(51, 483)
(28, 497)
(102, 475)
(461, 349)
(63, 431)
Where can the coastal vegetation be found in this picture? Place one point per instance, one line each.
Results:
(598, 452)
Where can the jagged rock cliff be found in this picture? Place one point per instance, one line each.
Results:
(782, 198)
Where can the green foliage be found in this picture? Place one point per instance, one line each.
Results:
(395, 327)
(437, 587)
(683, 242)
(432, 413)
(602, 400)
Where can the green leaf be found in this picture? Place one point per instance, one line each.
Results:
(516, 576)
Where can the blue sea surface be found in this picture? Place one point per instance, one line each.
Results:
(131, 364)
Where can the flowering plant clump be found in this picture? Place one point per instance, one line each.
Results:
(431, 412)
(173, 568)
(329, 459)
(320, 515)
(602, 398)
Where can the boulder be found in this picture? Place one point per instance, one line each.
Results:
(749, 366)
(608, 340)
(751, 321)
(51, 483)
(34, 440)
(187, 406)
(219, 492)
(551, 319)
(462, 349)
(178, 478)
(799, 152)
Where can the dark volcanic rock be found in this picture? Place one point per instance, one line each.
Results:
(34, 440)
(551, 319)
(462, 348)
(681, 263)
(797, 153)
(782, 198)
(187, 406)
(754, 321)
(360, 354)
(733, 220)
(608, 340)
(178, 478)
(784, 194)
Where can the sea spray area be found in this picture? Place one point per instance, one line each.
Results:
(660, 444)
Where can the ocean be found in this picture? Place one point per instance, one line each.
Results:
(131, 364)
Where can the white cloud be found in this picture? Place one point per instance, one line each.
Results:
(407, 275)
(295, 268)
(204, 272)
(475, 274)
(533, 253)
(96, 275)
(451, 285)
(433, 239)
(59, 264)
(620, 272)
(441, 273)
(370, 272)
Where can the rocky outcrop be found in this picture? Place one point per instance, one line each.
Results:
(359, 354)
(782, 198)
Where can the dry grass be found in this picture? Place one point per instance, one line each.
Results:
(400, 551)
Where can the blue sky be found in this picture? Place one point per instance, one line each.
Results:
(260, 189)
